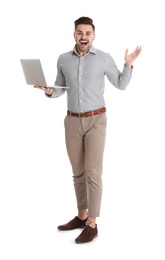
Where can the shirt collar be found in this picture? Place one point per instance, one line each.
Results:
(91, 50)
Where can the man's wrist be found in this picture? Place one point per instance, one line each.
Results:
(48, 95)
(128, 65)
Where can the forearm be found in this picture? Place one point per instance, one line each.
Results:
(119, 79)
(125, 77)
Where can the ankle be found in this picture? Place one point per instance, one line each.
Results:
(92, 225)
(91, 222)
(82, 214)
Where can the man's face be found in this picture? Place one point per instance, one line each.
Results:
(84, 36)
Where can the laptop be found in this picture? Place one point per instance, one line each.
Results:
(33, 73)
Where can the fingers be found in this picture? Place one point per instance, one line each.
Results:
(36, 86)
(40, 87)
(126, 51)
(139, 47)
(130, 58)
(48, 90)
(138, 50)
(135, 53)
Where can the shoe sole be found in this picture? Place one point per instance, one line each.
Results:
(79, 242)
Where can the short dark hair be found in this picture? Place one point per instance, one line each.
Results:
(84, 20)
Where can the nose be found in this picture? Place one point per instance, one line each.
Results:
(83, 35)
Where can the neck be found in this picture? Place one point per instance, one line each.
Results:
(81, 53)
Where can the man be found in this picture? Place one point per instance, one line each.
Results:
(82, 71)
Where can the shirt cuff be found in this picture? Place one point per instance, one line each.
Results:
(127, 70)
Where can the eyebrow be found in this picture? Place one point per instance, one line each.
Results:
(85, 32)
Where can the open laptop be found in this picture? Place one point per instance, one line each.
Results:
(33, 73)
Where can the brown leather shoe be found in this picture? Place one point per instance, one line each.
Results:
(72, 224)
(87, 235)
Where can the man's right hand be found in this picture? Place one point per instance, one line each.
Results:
(48, 90)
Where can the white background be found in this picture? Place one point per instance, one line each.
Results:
(36, 189)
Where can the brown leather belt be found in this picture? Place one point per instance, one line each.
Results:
(89, 113)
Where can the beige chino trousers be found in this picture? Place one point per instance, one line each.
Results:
(85, 141)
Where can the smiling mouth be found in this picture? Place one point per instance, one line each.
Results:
(83, 43)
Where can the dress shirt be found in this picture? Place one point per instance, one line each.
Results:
(85, 78)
